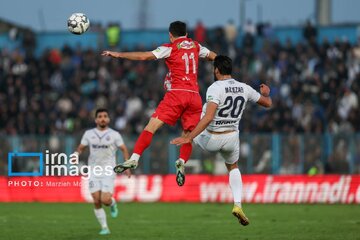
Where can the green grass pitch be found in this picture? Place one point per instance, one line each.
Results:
(182, 221)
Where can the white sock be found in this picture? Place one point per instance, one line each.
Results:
(135, 156)
(236, 185)
(183, 161)
(101, 217)
(113, 202)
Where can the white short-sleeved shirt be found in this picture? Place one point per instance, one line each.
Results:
(103, 146)
(231, 97)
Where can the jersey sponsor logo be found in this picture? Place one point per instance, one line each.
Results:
(186, 45)
(224, 122)
(97, 146)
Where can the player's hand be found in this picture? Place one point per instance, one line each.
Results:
(128, 173)
(180, 141)
(110, 54)
(264, 90)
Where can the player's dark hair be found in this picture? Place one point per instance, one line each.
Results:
(100, 110)
(177, 28)
(223, 64)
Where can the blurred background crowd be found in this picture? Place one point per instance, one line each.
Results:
(315, 88)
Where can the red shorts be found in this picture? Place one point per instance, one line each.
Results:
(180, 104)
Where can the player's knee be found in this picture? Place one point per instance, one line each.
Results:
(106, 201)
(231, 166)
(97, 203)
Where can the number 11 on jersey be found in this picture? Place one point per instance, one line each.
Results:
(186, 58)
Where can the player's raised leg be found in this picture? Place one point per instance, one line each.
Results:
(141, 144)
(100, 213)
(189, 119)
(236, 189)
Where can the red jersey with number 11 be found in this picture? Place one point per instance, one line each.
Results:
(182, 58)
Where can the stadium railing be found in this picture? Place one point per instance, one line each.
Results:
(259, 154)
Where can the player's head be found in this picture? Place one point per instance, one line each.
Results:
(222, 66)
(102, 118)
(177, 29)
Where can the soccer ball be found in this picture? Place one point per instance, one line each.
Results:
(78, 23)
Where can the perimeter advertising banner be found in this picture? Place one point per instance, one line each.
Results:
(343, 189)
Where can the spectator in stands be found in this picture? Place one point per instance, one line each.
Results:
(113, 35)
(309, 32)
(230, 32)
(308, 87)
(200, 32)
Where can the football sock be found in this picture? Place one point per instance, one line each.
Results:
(113, 202)
(101, 217)
(135, 156)
(185, 151)
(236, 185)
(142, 142)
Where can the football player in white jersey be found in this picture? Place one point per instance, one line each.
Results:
(218, 131)
(103, 143)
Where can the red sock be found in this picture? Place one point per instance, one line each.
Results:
(143, 142)
(185, 151)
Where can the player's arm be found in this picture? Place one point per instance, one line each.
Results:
(126, 156)
(130, 55)
(83, 144)
(211, 56)
(124, 151)
(79, 149)
(264, 99)
(204, 122)
(206, 53)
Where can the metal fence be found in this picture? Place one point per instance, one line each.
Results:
(259, 153)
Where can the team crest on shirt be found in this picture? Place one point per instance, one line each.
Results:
(108, 138)
(209, 98)
(186, 45)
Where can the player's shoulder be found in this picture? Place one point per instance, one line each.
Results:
(88, 131)
(247, 87)
(216, 88)
(166, 45)
(214, 85)
(113, 131)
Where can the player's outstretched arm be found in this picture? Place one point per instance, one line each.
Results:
(211, 56)
(264, 99)
(130, 55)
(204, 122)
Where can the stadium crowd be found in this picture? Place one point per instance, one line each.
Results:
(315, 87)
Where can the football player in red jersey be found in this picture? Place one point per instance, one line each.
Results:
(182, 99)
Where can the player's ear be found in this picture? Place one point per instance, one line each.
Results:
(171, 37)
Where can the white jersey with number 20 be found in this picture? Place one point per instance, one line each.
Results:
(231, 97)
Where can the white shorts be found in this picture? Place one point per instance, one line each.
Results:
(226, 144)
(103, 184)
